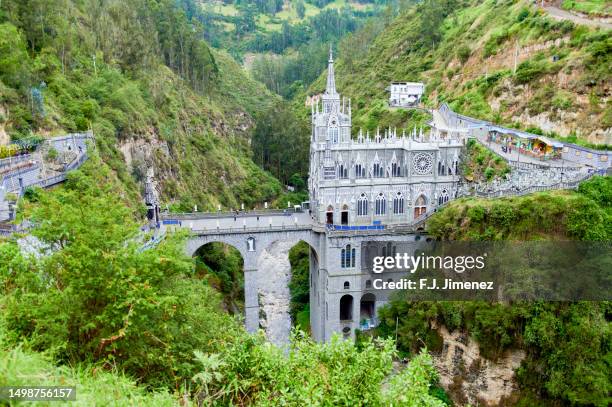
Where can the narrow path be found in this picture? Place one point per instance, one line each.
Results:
(561, 14)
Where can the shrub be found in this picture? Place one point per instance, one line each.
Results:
(529, 71)
(463, 53)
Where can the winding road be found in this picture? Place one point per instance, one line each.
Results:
(561, 14)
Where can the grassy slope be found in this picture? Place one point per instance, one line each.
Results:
(218, 168)
(471, 67)
(21, 367)
(579, 215)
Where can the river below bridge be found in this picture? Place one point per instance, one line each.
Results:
(274, 274)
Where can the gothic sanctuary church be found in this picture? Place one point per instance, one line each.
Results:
(380, 179)
(362, 189)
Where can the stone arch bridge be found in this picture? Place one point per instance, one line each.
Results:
(253, 233)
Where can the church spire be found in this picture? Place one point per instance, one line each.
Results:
(331, 80)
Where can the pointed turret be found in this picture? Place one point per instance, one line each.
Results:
(331, 78)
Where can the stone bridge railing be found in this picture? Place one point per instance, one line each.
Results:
(535, 188)
(228, 214)
(246, 230)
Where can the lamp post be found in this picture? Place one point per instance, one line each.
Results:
(562, 170)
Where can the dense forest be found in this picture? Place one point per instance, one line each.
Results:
(139, 75)
(567, 344)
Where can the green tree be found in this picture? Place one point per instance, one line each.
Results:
(300, 8)
(96, 296)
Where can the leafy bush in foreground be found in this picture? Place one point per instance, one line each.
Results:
(339, 373)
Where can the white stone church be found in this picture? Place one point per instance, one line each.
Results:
(379, 179)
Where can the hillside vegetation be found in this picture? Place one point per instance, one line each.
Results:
(591, 7)
(465, 50)
(567, 344)
(155, 95)
(582, 215)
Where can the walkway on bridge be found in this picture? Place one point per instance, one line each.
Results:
(228, 222)
(35, 169)
(516, 157)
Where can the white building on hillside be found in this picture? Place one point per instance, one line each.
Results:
(406, 94)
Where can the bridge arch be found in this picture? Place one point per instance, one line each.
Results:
(222, 265)
(251, 246)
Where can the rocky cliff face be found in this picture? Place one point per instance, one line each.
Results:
(274, 295)
(4, 138)
(471, 379)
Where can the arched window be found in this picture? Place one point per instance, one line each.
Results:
(396, 170)
(443, 197)
(398, 204)
(332, 134)
(367, 309)
(368, 283)
(362, 205)
(378, 170)
(360, 171)
(381, 205)
(342, 171)
(347, 285)
(347, 257)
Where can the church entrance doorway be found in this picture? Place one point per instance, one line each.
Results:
(419, 206)
(344, 215)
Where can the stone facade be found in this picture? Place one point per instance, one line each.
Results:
(385, 179)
